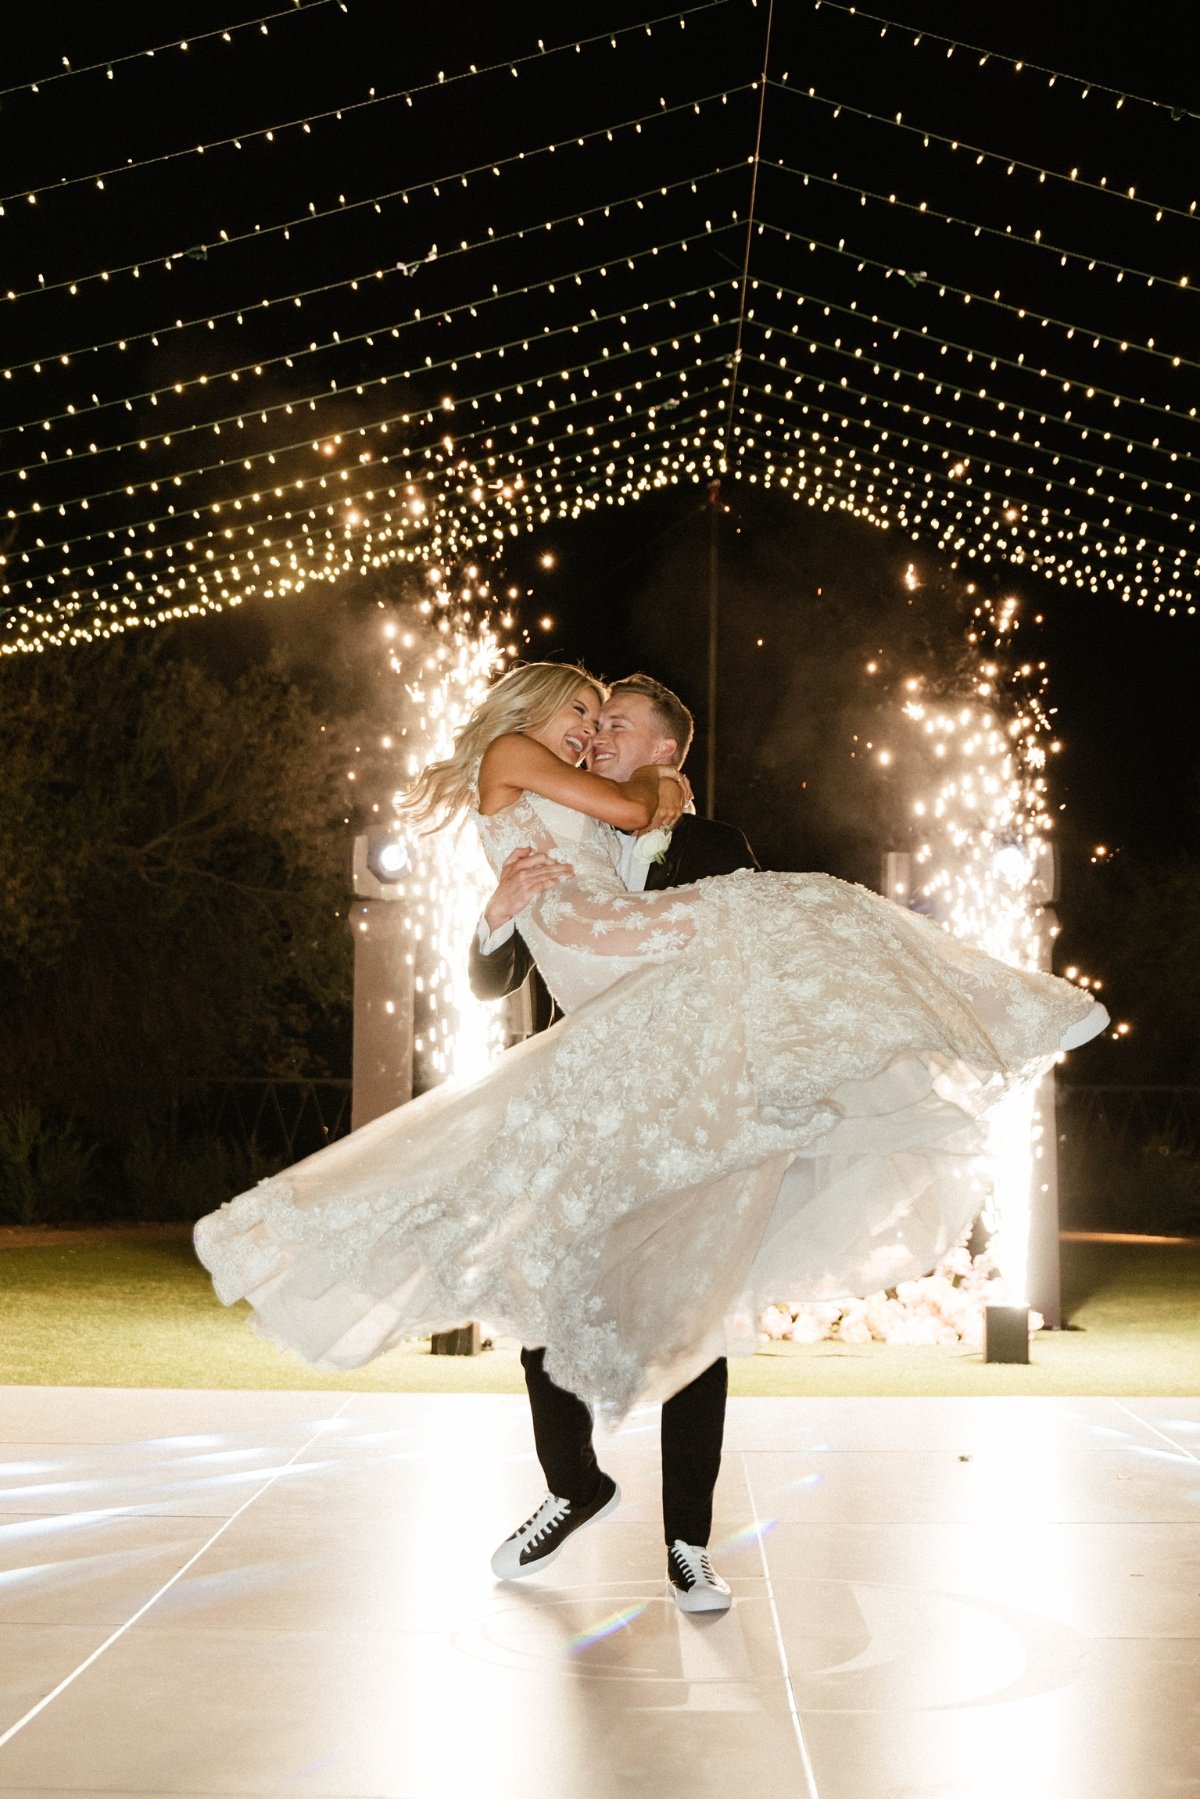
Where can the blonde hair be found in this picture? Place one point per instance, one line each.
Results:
(521, 700)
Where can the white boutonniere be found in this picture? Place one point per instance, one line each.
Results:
(651, 846)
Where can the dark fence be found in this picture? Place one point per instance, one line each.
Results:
(1130, 1117)
(280, 1120)
(293, 1117)
(1129, 1159)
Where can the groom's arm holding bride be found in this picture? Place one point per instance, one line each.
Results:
(641, 724)
(500, 961)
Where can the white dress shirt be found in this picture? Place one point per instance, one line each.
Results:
(632, 870)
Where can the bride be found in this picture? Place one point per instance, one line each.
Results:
(765, 1086)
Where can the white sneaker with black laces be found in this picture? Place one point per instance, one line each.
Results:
(545, 1535)
(695, 1582)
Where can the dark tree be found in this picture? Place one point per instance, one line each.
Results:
(173, 854)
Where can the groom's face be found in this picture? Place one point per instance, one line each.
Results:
(627, 738)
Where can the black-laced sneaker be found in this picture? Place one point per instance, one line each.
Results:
(695, 1582)
(543, 1536)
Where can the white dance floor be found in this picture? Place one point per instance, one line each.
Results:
(288, 1593)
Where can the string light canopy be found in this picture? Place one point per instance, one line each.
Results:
(565, 273)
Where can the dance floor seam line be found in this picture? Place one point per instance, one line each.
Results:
(810, 1777)
(1180, 1448)
(115, 1636)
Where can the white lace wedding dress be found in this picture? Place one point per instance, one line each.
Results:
(766, 1086)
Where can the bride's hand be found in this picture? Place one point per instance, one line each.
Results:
(674, 798)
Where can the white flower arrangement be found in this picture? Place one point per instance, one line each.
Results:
(651, 846)
(946, 1306)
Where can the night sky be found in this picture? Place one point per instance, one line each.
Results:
(627, 585)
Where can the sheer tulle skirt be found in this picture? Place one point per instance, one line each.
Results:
(789, 1109)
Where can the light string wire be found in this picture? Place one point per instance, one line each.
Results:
(1181, 283)
(1018, 64)
(525, 474)
(344, 489)
(972, 296)
(871, 359)
(306, 121)
(359, 386)
(255, 308)
(896, 122)
(1038, 547)
(389, 328)
(1045, 561)
(1022, 409)
(964, 462)
(358, 429)
(168, 583)
(346, 493)
(990, 433)
(1041, 559)
(810, 378)
(1087, 390)
(1091, 553)
(754, 167)
(843, 387)
(228, 32)
(154, 334)
(157, 260)
(951, 453)
(561, 508)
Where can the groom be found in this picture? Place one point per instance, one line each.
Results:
(642, 722)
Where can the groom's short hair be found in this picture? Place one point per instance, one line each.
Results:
(670, 714)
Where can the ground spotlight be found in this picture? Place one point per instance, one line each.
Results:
(382, 857)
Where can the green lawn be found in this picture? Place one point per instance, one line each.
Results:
(136, 1310)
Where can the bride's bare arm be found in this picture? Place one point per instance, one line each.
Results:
(515, 764)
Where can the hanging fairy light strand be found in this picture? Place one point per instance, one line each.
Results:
(295, 484)
(925, 501)
(108, 65)
(246, 460)
(1010, 163)
(994, 360)
(1174, 110)
(876, 488)
(561, 400)
(1087, 335)
(255, 308)
(814, 344)
(865, 505)
(227, 531)
(1067, 258)
(169, 262)
(341, 342)
(869, 360)
(268, 134)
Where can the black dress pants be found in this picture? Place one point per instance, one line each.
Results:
(693, 1427)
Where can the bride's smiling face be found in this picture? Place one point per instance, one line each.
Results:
(568, 734)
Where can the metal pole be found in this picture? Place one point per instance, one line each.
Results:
(383, 1009)
(1044, 1266)
(710, 765)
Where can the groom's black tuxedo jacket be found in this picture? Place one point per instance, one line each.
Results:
(699, 848)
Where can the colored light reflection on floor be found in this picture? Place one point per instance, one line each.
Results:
(608, 1627)
(749, 1533)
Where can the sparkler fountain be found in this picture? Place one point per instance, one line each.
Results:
(444, 648)
(972, 756)
(985, 870)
